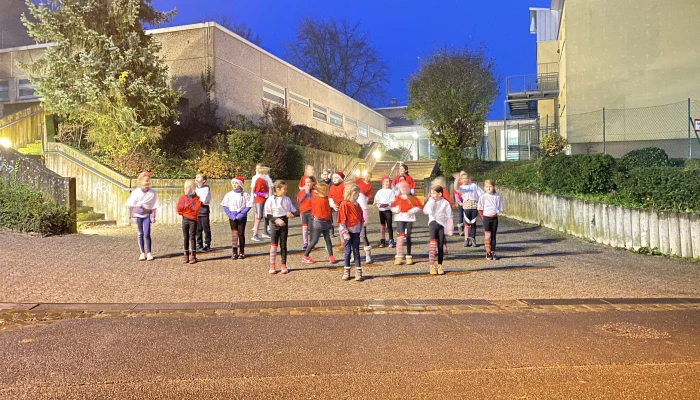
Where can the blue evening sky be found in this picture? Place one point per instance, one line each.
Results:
(403, 31)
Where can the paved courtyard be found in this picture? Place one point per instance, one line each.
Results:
(100, 265)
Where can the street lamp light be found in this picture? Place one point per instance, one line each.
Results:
(5, 142)
(377, 154)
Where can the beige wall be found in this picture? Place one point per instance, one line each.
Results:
(628, 54)
(10, 72)
(239, 69)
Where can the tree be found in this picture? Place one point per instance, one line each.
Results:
(339, 54)
(451, 94)
(239, 29)
(101, 47)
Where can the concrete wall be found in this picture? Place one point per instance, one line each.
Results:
(10, 72)
(15, 167)
(671, 233)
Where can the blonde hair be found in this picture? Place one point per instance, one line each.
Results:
(492, 183)
(262, 169)
(322, 189)
(350, 188)
(189, 184)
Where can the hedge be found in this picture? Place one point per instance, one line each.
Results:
(307, 136)
(24, 209)
(662, 188)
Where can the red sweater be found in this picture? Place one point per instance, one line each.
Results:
(260, 186)
(320, 207)
(409, 180)
(335, 192)
(188, 207)
(350, 214)
(365, 188)
(405, 205)
(304, 205)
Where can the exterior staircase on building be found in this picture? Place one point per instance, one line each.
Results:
(419, 170)
(87, 217)
(32, 150)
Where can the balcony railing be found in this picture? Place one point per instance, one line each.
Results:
(548, 68)
(533, 84)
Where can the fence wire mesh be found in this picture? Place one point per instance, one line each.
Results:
(619, 131)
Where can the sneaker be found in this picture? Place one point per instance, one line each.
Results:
(149, 257)
(241, 256)
(493, 256)
(272, 270)
(488, 256)
(142, 257)
(346, 274)
(473, 240)
(255, 238)
(433, 271)
(466, 243)
(266, 235)
(331, 260)
(284, 269)
(392, 244)
(307, 260)
(200, 250)
(440, 271)
(382, 244)
(234, 256)
(206, 248)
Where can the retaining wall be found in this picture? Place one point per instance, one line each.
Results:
(22, 127)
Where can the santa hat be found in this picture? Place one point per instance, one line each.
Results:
(339, 175)
(385, 178)
(238, 179)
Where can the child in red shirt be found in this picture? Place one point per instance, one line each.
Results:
(321, 223)
(304, 199)
(350, 223)
(335, 193)
(188, 206)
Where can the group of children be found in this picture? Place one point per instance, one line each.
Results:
(321, 204)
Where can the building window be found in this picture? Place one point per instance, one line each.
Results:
(387, 136)
(25, 89)
(320, 112)
(273, 93)
(299, 99)
(362, 131)
(336, 118)
(375, 132)
(350, 121)
(4, 90)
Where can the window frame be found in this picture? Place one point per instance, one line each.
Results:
(271, 91)
(25, 86)
(316, 108)
(374, 131)
(361, 128)
(7, 80)
(350, 121)
(291, 97)
(338, 116)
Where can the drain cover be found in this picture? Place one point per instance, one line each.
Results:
(633, 331)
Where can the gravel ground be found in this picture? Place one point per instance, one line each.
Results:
(100, 265)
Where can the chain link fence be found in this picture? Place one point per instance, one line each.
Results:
(619, 131)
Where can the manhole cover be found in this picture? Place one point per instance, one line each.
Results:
(634, 331)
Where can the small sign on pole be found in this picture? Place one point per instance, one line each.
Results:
(697, 125)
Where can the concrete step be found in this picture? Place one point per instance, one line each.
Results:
(89, 224)
(83, 209)
(90, 217)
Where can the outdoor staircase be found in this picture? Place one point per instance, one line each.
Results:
(419, 170)
(32, 150)
(87, 217)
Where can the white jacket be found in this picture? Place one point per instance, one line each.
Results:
(441, 212)
(384, 196)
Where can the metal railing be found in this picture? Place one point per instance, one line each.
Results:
(548, 68)
(536, 83)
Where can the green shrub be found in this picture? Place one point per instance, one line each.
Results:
(519, 175)
(307, 136)
(578, 174)
(661, 188)
(24, 209)
(646, 157)
(396, 154)
(245, 149)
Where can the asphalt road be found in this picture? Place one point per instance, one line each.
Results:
(595, 355)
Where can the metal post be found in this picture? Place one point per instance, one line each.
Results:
(529, 156)
(690, 140)
(604, 150)
(505, 118)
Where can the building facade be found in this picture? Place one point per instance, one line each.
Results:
(407, 133)
(637, 59)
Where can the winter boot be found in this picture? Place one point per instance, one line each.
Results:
(346, 274)
(440, 271)
(193, 257)
(368, 254)
(409, 260)
(358, 274)
(398, 260)
(185, 257)
(432, 269)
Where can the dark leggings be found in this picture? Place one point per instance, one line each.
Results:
(189, 234)
(352, 246)
(437, 232)
(407, 227)
(387, 218)
(320, 227)
(239, 225)
(470, 215)
(203, 227)
(490, 229)
(143, 225)
(461, 214)
(278, 236)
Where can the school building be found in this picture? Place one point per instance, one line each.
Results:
(613, 76)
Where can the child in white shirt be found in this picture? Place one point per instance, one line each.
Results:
(383, 200)
(278, 209)
(439, 211)
(489, 206)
